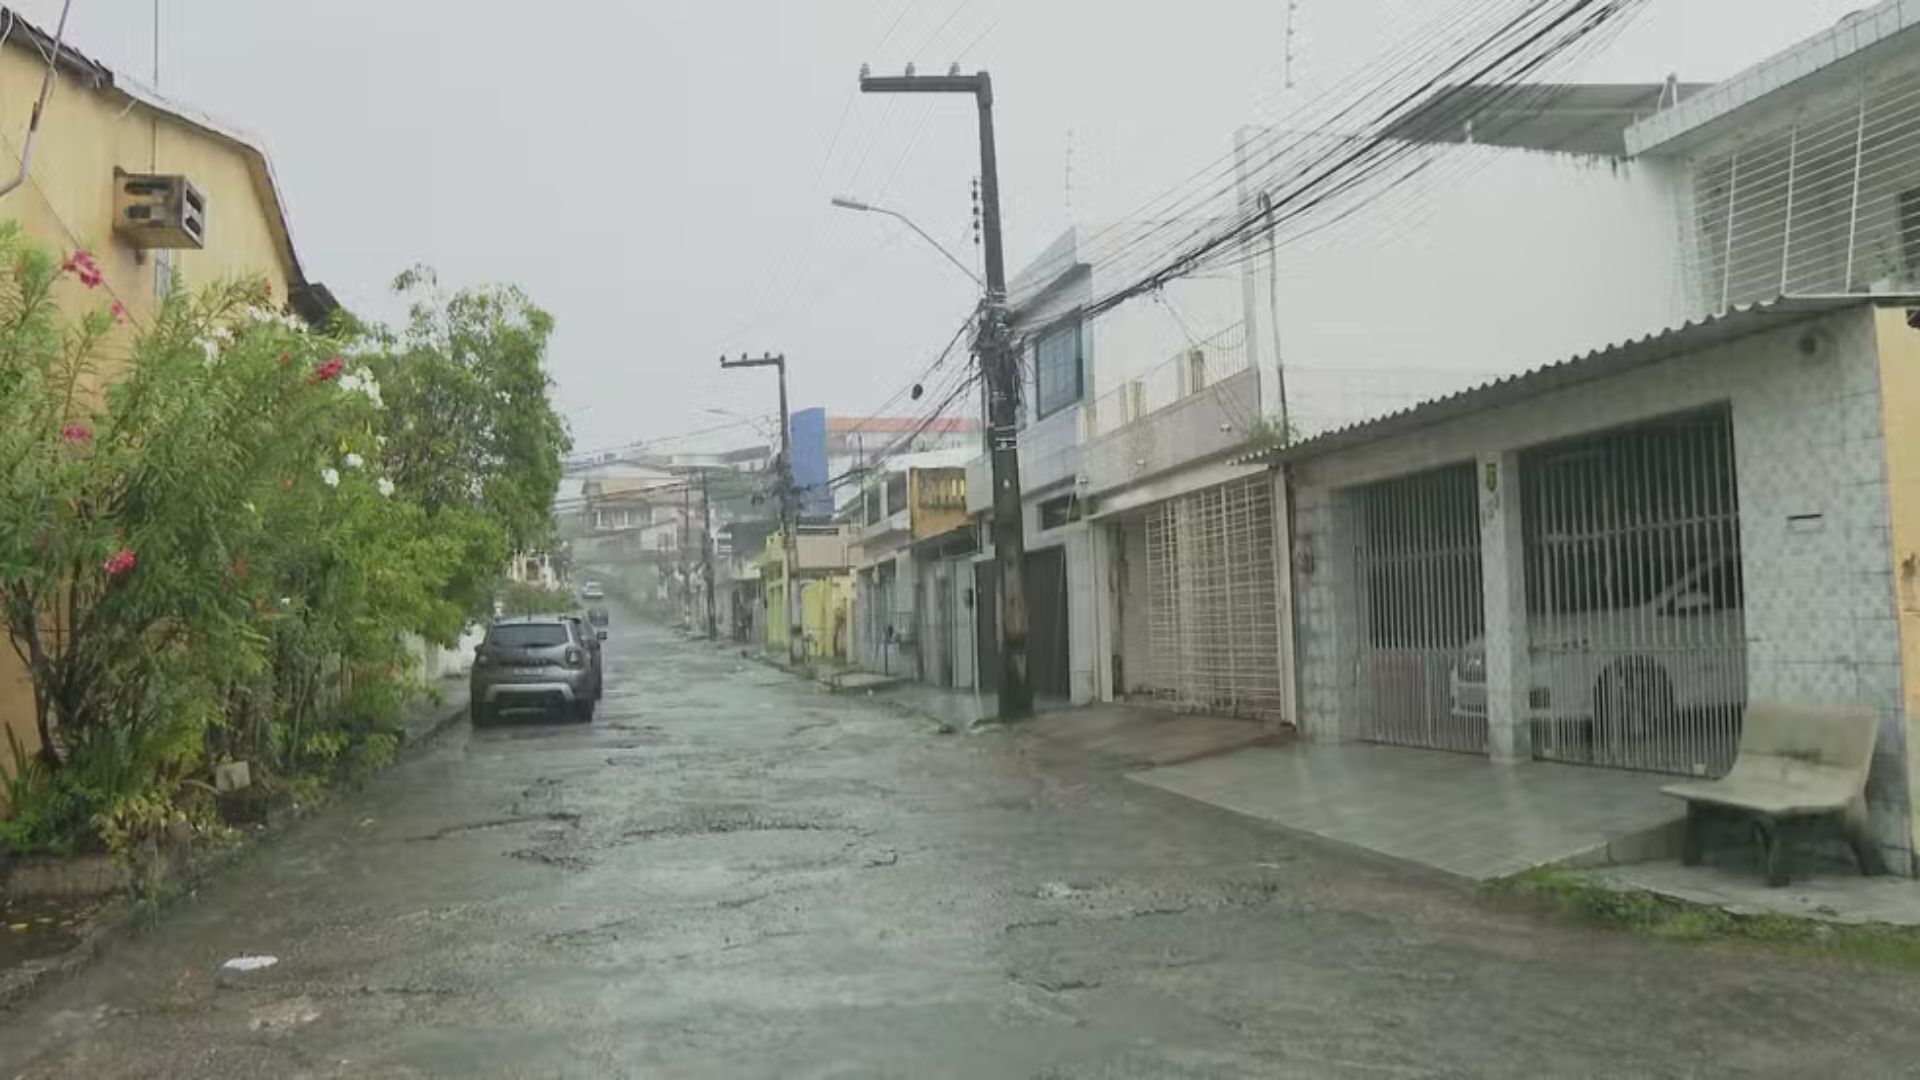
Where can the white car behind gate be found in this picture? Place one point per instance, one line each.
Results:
(1627, 673)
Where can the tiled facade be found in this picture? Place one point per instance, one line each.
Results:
(1814, 512)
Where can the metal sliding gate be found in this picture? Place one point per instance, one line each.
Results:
(1212, 610)
(1420, 610)
(1634, 599)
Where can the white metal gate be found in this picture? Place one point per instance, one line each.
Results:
(1420, 610)
(1636, 633)
(1212, 612)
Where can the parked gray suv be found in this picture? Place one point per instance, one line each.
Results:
(534, 662)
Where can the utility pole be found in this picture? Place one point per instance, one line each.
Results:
(788, 512)
(686, 546)
(706, 552)
(1001, 373)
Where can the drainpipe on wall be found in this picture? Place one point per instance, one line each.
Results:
(46, 91)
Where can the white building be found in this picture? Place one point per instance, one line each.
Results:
(1707, 492)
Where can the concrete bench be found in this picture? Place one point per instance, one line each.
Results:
(1800, 770)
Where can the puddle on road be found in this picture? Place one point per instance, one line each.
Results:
(37, 929)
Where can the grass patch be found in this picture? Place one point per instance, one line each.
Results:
(1636, 911)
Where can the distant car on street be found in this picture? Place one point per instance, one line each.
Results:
(593, 637)
(592, 590)
(535, 662)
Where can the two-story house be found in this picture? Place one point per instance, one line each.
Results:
(907, 621)
(103, 140)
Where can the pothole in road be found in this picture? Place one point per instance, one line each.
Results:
(557, 859)
(568, 817)
(714, 823)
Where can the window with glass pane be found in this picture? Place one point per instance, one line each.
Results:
(1057, 368)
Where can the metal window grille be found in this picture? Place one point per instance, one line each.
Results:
(1828, 202)
(1421, 611)
(1637, 641)
(1212, 613)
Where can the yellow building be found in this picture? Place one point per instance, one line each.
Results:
(826, 593)
(98, 130)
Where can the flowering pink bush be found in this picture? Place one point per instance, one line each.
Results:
(120, 562)
(329, 371)
(76, 433)
(81, 265)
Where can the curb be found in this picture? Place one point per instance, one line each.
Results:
(114, 922)
(119, 917)
(451, 719)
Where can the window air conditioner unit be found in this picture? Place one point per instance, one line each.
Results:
(152, 211)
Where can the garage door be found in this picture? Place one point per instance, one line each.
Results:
(1213, 613)
(1420, 611)
(1634, 598)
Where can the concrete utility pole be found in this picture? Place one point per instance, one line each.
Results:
(686, 546)
(1001, 372)
(706, 552)
(788, 511)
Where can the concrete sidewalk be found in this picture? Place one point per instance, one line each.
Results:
(1459, 814)
(443, 706)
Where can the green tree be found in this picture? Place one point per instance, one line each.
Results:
(472, 424)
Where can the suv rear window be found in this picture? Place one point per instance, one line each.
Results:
(530, 635)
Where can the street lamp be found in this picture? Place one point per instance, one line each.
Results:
(763, 425)
(845, 203)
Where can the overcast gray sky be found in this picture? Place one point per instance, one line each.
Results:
(657, 173)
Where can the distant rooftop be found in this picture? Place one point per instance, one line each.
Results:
(1826, 59)
(1573, 118)
(900, 425)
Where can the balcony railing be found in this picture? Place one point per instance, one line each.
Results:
(1826, 201)
(1206, 363)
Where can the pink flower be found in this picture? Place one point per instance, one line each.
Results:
(119, 312)
(119, 562)
(328, 371)
(77, 433)
(81, 265)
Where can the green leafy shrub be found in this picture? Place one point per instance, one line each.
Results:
(217, 534)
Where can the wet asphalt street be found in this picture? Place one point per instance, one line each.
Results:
(733, 874)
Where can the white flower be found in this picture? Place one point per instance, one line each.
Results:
(384, 485)
(294, 323)
(353, 461)
(222, 335)
(364, 382)
(257, 314)
(349, 382)
(213, 351)
(380, 441)
(331, 477)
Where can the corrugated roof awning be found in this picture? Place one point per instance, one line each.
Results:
(1612, 360)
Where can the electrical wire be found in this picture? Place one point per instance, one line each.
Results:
(1337, 172)
(940, 359)
(1201, 186)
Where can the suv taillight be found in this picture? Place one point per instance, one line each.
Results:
(576, 657)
